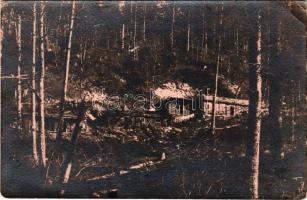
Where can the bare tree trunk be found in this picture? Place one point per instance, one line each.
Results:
(276, 93)
(42, 86)
(58, 34)
(131, 9)
(123, 37)
(144, 24)
(204, 38)
(215, 89)
(255, 101)
(206, 43)
(245, 46)
(293, 117)
(173, 26)
(69, 51)
(1, 39)
(203, 32)
(134, 35)
(197, 49)
(66, 76)
(237, 41)
(83, 57)
(205, 35)
(188, 36)
(67, 166)
(217, 74)
(214, 34)
(19, 95)
(34, 127)
(188, 43)
(228, 68)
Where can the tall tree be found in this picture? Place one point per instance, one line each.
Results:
(59, 33)
(217, 73)
(298, 10)
(19, 92)
(255, 98)
(42, 85)
(1, 39)
(33, 126)
(134, 35)
(173, 25)
(188, 32)
(203, 30)
(123, 36)
(66, 75)
(293, 113)
(275, 88)
(237, 41)
(144, 24)
(204, 42)
(83, 48)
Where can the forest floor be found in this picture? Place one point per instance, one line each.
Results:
(165, 162)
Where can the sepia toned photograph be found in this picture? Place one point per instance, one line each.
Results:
(153, 99)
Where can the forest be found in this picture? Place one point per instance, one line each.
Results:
(154, 99)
